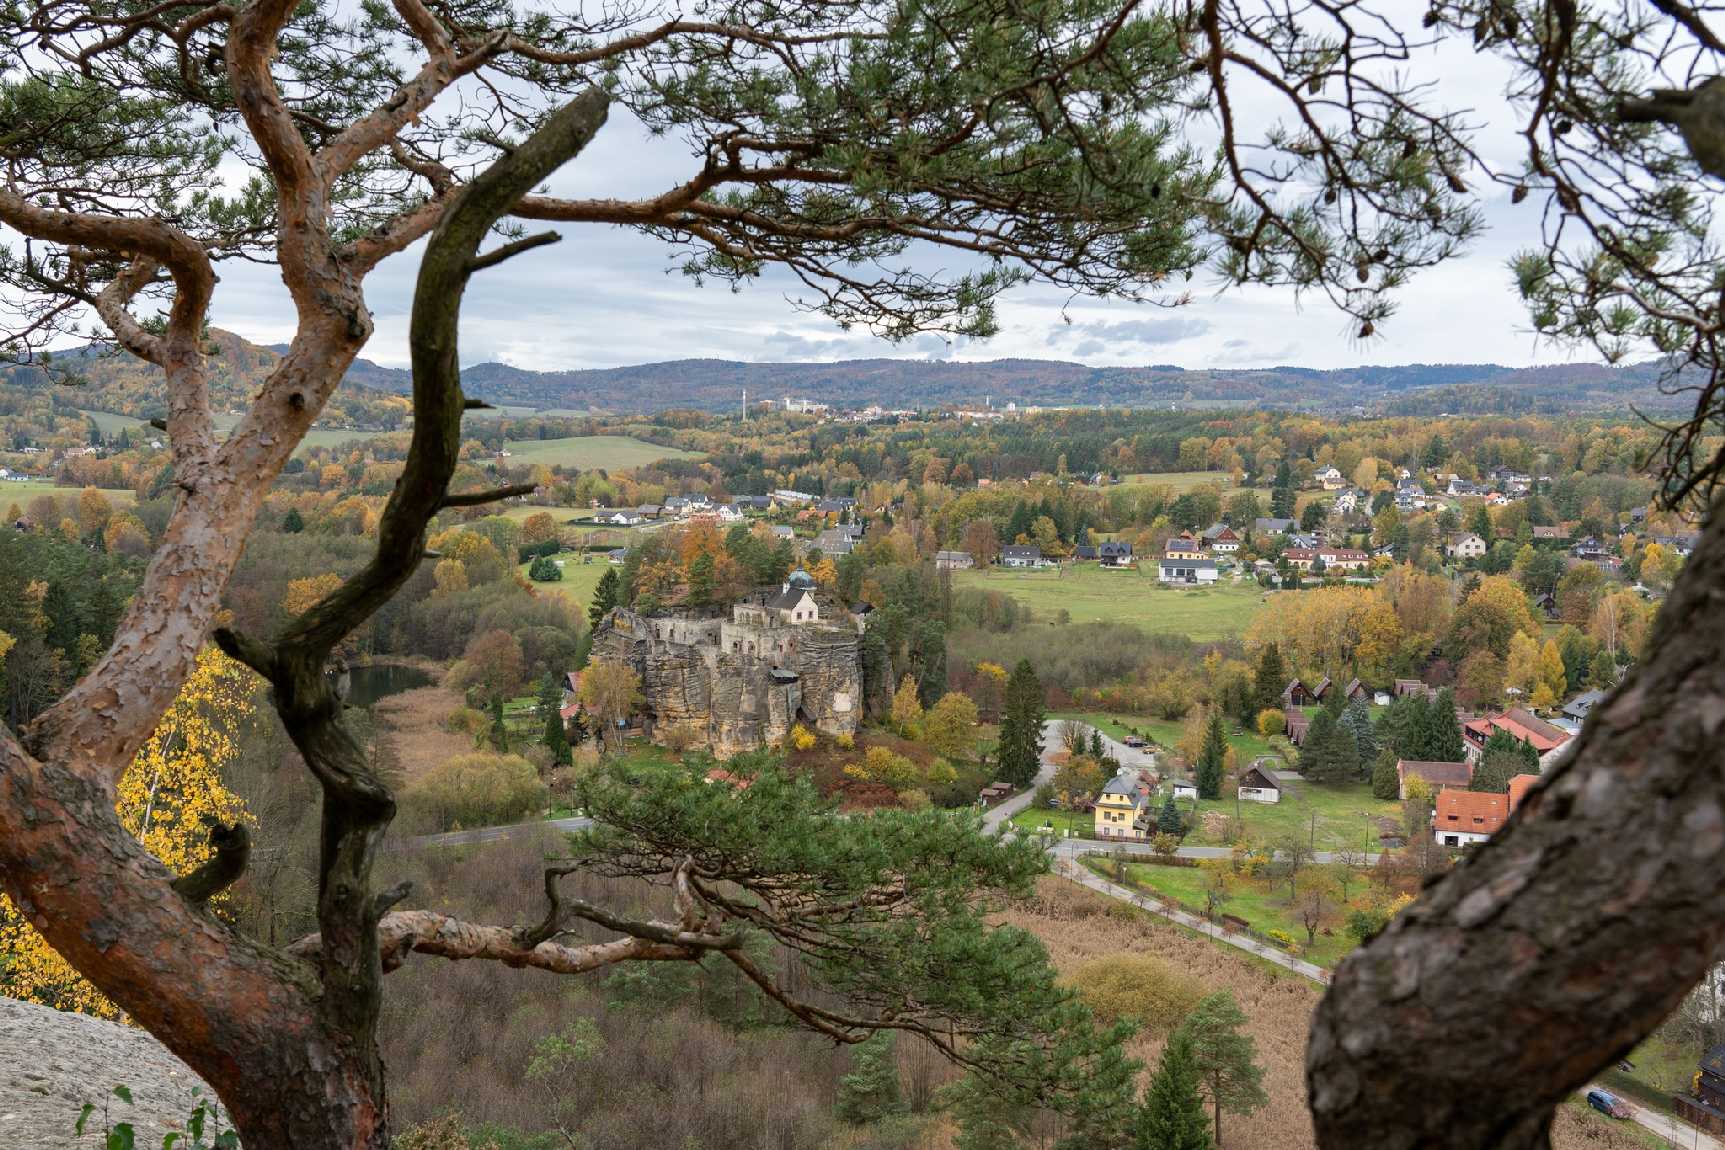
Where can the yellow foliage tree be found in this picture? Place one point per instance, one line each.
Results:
(167, 797)
(906, 707)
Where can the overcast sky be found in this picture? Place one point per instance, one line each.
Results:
(605, 297)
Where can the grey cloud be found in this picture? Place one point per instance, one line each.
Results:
(1143, 332)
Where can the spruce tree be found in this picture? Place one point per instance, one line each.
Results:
(604, 597)
(1168, 820)
(1318, 760)
(1096, 750)
(870, 1091)
(1172, 1115)
(1386, 784)
(1357, 720)
(1021, 727)
(1442, 731)
(293, 523)
(1212, 759)
(1270, 680)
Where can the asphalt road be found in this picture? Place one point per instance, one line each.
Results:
(1051, 746)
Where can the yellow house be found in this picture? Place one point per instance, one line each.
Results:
(1118, 806)
(1183, 546)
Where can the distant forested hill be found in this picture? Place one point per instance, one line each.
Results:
(113, 382)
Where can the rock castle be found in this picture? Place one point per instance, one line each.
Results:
(739, 684)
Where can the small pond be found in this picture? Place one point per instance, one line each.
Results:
(367, 684)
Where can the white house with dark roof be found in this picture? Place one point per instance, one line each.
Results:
(1175, 569)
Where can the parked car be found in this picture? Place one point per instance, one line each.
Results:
(1133, 741)
(1608, 1103)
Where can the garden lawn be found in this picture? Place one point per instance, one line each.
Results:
(1079, 824)
(1263, 904)
(590, 452)
(579, 580)
(1345, 817)
(1089, 593)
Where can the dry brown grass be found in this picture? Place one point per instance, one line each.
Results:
(1079, 926)
(412, 723)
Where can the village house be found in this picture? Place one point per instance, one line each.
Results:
(1297, 725)
(1174, 569)
(1464, 818)
(1330, 478)
(1297, 694)
(1184, 546)
(1704, 1103)
(1344, 559)
(1465, 546)
(1021, 555)
(1221, 539)
(834, 542)
(1257, 785)
(1438, 775)
(1553, 533)
(1356, 690)
(1544, 737)
(1578, 708)
(1263, 526)
(1114, 553)
(1350, 501)
(953, 561)
(1124, 798)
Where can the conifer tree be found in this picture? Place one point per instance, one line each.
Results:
(1168, 820)
(1270, 680)
(1226, 1057)
(1358, 721)
(1212, 758)
(556, 737)
(1386, 784)
(1442, 731)
(1021, 727)
(293, 522)
(604, 597)
(870, 1091)
(1172, 1116)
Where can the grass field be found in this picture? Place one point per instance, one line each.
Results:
(110, 424)
(1089, 593)
(587, 452)
(1263, 905)
(579, 579)
(21, 491)
(1181, 481)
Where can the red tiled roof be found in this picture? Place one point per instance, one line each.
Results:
(1470, 812)
(1518, 788)
(1524, 725)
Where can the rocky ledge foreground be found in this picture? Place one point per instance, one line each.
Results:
(52, 1063)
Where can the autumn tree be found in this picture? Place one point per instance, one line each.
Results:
(949, 727)
(611, 691)
(492, 667)
(169, 798)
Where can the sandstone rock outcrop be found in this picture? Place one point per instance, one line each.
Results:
(740, 684)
